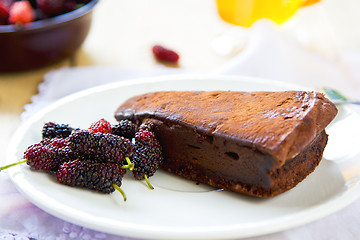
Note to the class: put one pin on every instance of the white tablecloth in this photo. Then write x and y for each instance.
(268, 54)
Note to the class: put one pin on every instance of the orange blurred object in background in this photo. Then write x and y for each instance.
(245, 12)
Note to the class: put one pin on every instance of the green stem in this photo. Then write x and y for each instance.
(148, 183)
(12, 164)
(121, 191)
(130, 165)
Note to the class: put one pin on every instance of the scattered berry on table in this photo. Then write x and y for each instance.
(102, 126)
(21, 13)
(125, 128)
(147, 154)
(101, 147)
(165, 54)
(52, 130)
(49, 154)
(100, 177)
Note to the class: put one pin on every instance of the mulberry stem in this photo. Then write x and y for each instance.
(12, 164)
(130, 165)
(131, 168)
(148, 183)
(121, 191)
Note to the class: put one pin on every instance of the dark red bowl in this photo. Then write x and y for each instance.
(44, 42)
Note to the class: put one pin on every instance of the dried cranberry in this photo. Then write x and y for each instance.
(164, 54)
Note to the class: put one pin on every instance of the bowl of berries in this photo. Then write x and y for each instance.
(36, 33)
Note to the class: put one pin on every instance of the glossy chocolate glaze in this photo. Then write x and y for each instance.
(239, 137)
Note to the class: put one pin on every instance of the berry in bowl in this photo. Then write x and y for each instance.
(36, 33)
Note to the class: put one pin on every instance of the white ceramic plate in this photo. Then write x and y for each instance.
(178, 208)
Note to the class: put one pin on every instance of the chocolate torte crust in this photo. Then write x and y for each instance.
(239, 141)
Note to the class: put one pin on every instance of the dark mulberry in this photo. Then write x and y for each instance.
(51, 7)
(147, 154)
(125, 128)
(49, 154)
(100, 147)
(52, 130)
(147, 125)
(100, 177)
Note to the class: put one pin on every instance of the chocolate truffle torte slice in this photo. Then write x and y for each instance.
(256, 143)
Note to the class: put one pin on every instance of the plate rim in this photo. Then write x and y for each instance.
(231, 231)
